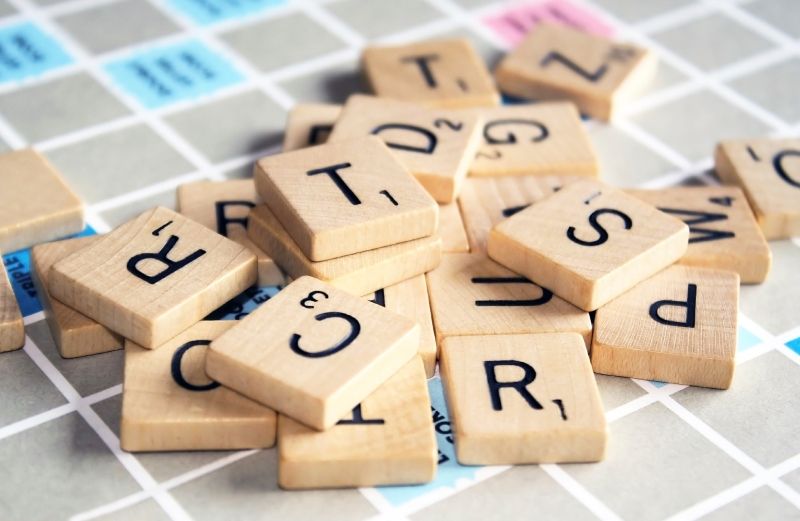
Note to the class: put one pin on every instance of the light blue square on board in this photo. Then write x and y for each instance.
(794, 345)
(26, 51)
(207, 12)
(18, 268)
(164, 75)
(449, 471)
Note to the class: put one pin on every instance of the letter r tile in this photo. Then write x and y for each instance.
(343, 198)
(678, 326)
(588, 243)
(153, 277)
(518, 399)
(313, 352)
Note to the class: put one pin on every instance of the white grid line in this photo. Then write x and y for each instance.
(456, 16)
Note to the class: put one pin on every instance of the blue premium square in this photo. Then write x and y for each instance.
(26, 51)
(165, 75)
(207, 12)
(18, 267)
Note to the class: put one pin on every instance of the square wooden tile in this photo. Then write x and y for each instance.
(487, 201)
(473, 295)
(435, 145)
(36, 205)
(409, 298)
(347, 197)
(768, 171)
(387, 439)
(678, 326)
(153, 277)
(223, 206)
(359, 273)
(540, 138)
(441, 73)
(451, 229)
(723, 234)
(280, 355)
(168, 402)
(523, 399)
(558, 62)
(12, 328)
(589, 243)
(309, 124)
(74, 333)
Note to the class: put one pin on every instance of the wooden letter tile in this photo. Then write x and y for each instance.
(168, 402)
(359, 273)
(437, 146)
(347, 197)
(451, 229)
(75, 334)
(36, 205)
(440, 73)
(487, 201)
(541, 139)
(768, 170)
(12, 328)
(472, 295)
(409, 298)
(153, 277)
(223, 206)
(678, 326)
(313, 352)
(387, 439)
(309, 124)
(723, 232)
(557, 62)
(589, 243)
(523, 399)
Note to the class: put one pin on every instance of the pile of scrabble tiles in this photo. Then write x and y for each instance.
(423, 223)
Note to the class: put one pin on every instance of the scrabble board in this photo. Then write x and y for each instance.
(85, 82)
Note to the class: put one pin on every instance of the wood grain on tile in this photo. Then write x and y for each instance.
(153, 277)
(313, 352)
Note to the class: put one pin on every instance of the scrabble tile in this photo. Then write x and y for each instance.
(678, 326)
(315, 373)
(441, 73)
(768, 171)
(12, 329)
(74, 334)
(723, 234)
(309, 124)
(523, 399)
(451, 229)
(435, 145)
(589, 243)
(359, 273)
(540, 138)
(409, 298)
(487, 201)
(36, 205)
(387, 439)
(472, 295)
(342, 198)
(223, 206)
(153, 277)
(169, 403)
(557, 62)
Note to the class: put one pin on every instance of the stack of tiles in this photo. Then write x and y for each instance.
(425, 223)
